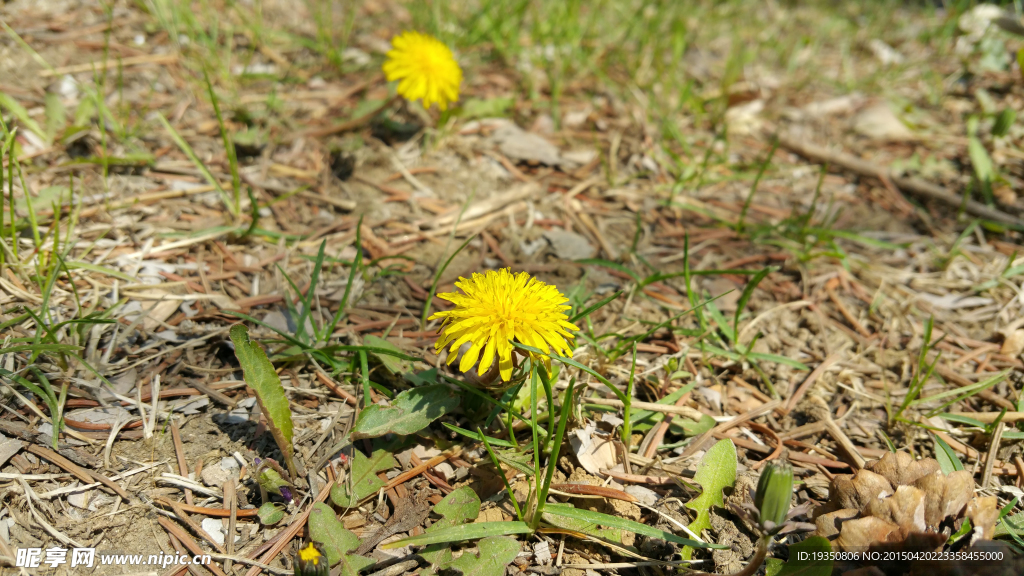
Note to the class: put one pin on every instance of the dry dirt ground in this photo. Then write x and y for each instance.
(860, 260)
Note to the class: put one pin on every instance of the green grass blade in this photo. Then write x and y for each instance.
(574, 364)
(437, 278)
(307, 301)
(614, 266)
(748, 291)
(187, 150)
(595, 307)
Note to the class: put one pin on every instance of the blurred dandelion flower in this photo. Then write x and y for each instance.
(425, 68)
(311, 561)
(497, 308)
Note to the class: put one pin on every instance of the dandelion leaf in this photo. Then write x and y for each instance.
(364, 480)
(460, 507)
(337, 542)
(716, 472)
(495, 553)
(260, 375)
(410, 412)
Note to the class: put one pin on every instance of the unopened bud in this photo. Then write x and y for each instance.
(774, 493)
(272, 482)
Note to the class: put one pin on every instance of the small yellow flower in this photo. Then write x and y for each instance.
(311, 561)
(426, 69)
(497, 308)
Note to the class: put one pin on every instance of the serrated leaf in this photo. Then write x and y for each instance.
(259, 374)
(803, 566)
(364, 478)
(716, 472)
(495, 553)
(394, 364)
(336, 541)
(270, 513)
(521, 462)
(410, 412)
(460, 507)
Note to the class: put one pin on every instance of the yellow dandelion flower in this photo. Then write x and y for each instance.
(426, 69)
(497, 308)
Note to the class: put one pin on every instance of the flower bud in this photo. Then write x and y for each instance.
(311, 561)
(272, 482)
(774, 493)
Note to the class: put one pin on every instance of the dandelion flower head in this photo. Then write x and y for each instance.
(425, 68)
(496, 308)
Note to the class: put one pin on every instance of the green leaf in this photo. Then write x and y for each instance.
(959, 419)
(486, 108)
(463, 532)
(364, 478)
(583, 526)
(1010, 524)
(21, 114)
(591, 309)
(496, 552)
(460, 507)
(72, 265)
(1004, 121)
(187, 150)
(410, 412)
(518, 460)
(260, 376)
(803, 566)
(948, 460)
(645, 419)
(56, 116)
(748, 291)
(766, 357)
(337, 542)
(479, 437)
(270, 513)
(983, 167)
(625, 524)
(716, 472)
(393, 363)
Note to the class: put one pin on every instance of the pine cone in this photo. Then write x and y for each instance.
(898, 503)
